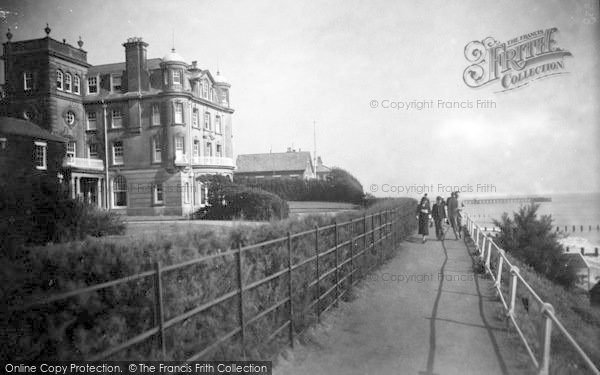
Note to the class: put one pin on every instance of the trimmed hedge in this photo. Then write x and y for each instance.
(84, 325)
(37, 209)
(340, 186)
(227, 201)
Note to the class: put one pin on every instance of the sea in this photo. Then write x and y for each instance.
(576, 216)
(566, 210)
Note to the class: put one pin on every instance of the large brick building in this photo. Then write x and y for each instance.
(139, 133)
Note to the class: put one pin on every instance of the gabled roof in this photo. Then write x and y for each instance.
(15, 126)
(575, 260)
(276, 161)
(323, 169)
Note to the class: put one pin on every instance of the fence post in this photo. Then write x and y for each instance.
(337, 262)
(160, 309)
(351, 251)
(381, 237)
(514, 271)
(489, 253)
(500, 263)
(289, 246)
(240, 277)
(483, 239)
(547, 309)
(373, 234)
(318, 304)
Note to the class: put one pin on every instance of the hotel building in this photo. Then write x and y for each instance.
(140, 133)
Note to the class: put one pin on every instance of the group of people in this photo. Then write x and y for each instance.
(448, 211)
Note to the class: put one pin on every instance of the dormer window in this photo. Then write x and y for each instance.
(116, 83)
(204, 89)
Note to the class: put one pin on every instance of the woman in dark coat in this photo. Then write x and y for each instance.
(423, 216)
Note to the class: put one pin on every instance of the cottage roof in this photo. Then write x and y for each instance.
(15, 126)
(575, 260)
(276, 161)
(323, 169)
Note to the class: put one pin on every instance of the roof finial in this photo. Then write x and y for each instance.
(47, 29)
(9, 35)
(173, 34)
(80, 42)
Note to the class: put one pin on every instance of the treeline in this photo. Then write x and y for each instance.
(340, 186)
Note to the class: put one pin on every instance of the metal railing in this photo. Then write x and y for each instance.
(365, 238)
(485, 244)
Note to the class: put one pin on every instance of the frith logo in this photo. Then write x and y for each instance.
(515, 63)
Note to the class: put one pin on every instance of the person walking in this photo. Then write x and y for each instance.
(452, 214)
(459, 206)
(423, 217)
(438, 212)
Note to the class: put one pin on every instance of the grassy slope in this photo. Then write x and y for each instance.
(573, 310)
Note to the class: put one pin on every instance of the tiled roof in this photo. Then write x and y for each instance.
(323, 169)
(574, 259)
(276, 161)
(15, 126)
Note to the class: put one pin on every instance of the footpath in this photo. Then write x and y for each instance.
(424, 312)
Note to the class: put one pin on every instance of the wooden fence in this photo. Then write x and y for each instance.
(365, 244)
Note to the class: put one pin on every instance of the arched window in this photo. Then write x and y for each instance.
(76, 84)
(119, 191)
(67, 82)
(59, 80)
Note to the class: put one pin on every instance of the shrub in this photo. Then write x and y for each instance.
(37, 209)
(228, 201)
(532, 240)
(340, 186)
(77, 327)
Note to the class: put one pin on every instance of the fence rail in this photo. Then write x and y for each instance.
(368, 237)
(485, 244)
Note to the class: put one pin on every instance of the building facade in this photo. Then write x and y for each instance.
(139, 133)
(27, 149)
(290, 164)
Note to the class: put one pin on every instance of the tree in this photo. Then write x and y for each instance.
(532, 240)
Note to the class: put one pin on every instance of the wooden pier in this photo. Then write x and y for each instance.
(521, 200)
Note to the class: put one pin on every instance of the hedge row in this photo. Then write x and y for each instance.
(227, 201)
(340, 186)
(36, 209)
(84, 325)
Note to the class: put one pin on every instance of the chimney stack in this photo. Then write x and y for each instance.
(136, 68)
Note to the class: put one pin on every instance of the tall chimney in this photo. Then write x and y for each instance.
(136, 67)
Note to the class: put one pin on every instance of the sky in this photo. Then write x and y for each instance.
(293, 64)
